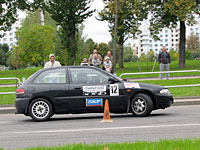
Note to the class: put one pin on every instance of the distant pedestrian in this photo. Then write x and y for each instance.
(164, 60)
(96, 61)
(107, 65)
(92, 56)
(84, 62)
(52, 63)
(108, 55)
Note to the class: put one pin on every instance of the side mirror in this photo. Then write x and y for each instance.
(111, 80)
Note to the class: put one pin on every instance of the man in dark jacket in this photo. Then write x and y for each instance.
(164, 60)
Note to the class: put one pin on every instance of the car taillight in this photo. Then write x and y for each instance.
(20, 91)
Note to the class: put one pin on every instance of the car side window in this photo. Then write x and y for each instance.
(87, 76)
(51, 76)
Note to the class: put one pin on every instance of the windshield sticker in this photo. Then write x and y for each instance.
(131, 85)
(94, 102)
(114, 89)
(94, 90)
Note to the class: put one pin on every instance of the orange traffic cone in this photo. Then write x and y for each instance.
(106, 116)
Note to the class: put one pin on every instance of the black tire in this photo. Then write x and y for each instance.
(40, 109)
(141, 105)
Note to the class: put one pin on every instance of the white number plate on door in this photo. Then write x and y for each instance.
(114, 89)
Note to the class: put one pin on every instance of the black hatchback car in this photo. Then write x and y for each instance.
(76, 89)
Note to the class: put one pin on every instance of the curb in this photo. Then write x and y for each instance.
(178, 101)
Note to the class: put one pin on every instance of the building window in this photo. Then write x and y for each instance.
(156, 50)
(196, 29)
(172, 44)
(11, 44)
(11, 39)
(150, 41)
(161, 44)
(166, 35)
(161, 40)
(176, 30)
(176, 40)
(176, 35)
(166, 31)
(160, 35)
(141, 50)
(166, 40)
(150, 45)
(4, 34)
(156, 45)
(11, 34)
(5, 39)
(166, 44)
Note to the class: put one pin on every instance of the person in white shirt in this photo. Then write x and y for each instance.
(107, 65)
(52, 63)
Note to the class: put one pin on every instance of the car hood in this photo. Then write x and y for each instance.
(146, 86)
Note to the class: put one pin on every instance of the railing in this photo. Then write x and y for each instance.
(142, 73)
(173, 86)
(13, 78)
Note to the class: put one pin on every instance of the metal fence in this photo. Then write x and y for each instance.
(13, 78)
(173, 86)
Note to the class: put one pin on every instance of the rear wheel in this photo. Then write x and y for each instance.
(141, 105)
(40, 109)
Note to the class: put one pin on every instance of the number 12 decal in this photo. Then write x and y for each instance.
(114, 89)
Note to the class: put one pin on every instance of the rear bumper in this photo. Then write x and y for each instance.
(21, 105)
(164, 101)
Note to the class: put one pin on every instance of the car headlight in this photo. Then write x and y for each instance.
(165, 91)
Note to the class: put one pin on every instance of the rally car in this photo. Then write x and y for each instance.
(76, 89)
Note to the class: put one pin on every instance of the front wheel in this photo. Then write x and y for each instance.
(141, 105)
(40, 109)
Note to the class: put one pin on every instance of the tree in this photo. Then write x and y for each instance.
(34, 18)
(168, 13)
(103, 48)
(35, 43)
(193, 42)
(8, 12)
(128, 21)
(69, 14)
(4, 54)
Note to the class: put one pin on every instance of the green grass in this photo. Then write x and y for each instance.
(8, 98)
(133, 67)
(179, 92)
(177, 144)
(19, 74)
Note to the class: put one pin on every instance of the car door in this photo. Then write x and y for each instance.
(53, 84)
(90, 87)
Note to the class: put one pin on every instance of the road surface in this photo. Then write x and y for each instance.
(18, 131)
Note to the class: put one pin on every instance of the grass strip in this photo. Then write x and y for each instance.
(174, 144)
(7, 98)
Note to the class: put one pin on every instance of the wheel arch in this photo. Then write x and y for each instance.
(149, 93)
(46, 98)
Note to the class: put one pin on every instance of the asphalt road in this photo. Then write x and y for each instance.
(18, 131)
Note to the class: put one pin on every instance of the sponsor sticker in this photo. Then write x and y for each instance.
(94, 90)
(94, 102)
(131, 85)
(114, 89)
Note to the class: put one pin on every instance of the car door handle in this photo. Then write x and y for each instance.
(77, 88)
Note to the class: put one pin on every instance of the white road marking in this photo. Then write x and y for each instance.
(100, 129)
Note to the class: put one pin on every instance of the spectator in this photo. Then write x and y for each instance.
(108, 55)
(52, 63)
(84, 62)
(92, 55)
(164, 60)
(96, 61)
(107, 65)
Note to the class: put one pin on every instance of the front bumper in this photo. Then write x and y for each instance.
(164, 101)
(21, 105)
